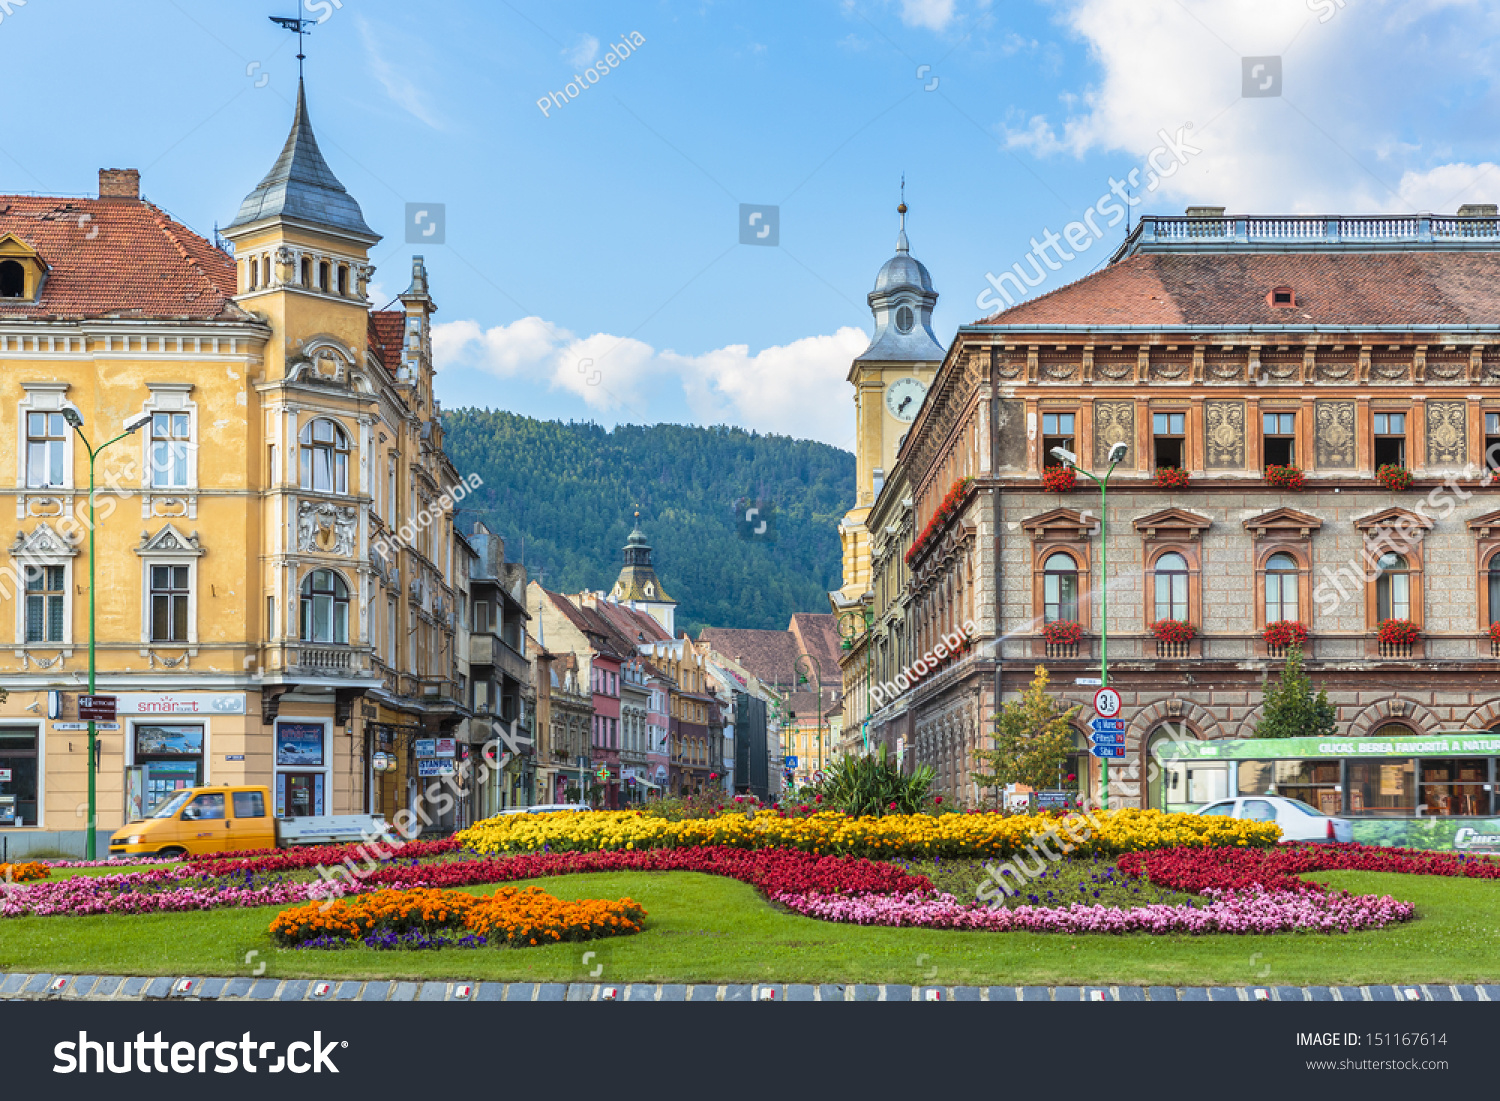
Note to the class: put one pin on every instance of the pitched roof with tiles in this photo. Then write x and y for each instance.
(768, 654)
(818, 634)
(633, 625)
(118, 257)
(387, 333)
(1412, 288)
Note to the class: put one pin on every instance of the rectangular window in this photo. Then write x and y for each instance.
(1492, 440)
(45, 591)
(1171, 595)
(171, 439)
(481, 615)
(1279, 439)
(1393, 596)
(271, 616)
(390, 629)
(46, 438)
(1057, 431)
(169, 603)
(1383, 789)
(18, 776)
(1390, 439)
(1168, 439)
(1455, 787)
(249, 804)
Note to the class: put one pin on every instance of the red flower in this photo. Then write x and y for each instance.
(938, 800)
(1397, 632)
(1062, 632)
(1059, 479)
(1284, 477)
(1394, 478)
(1285, 632)
(1172, 630)
(817, 798)
(1171, 477)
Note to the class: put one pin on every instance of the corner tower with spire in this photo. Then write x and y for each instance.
(638, 584)
(890, 379)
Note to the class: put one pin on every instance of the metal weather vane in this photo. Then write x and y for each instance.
(301, 26)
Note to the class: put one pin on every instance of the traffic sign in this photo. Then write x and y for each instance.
(790, 762)
(1107, 737)
(1099, 724)
(97, 708)
(817, 776)
(1088, 682)
(1107, 703)
(1108, 751)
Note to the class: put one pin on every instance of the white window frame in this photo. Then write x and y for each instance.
(170, 397)
(43, 397)
(184, 555)
(43, 546)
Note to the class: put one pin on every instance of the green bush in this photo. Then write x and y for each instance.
(873, 785)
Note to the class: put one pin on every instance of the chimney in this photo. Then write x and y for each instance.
(1205, 212)
(119, 183)
(1478, 210)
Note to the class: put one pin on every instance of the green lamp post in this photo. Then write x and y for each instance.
(1117, 454)
(853, 624)
(134, 424)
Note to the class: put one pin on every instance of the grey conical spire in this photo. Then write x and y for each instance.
(301, 187)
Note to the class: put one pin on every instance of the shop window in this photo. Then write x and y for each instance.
(1383, 789)
(18, 773)
(325, 608)
(170, 597)
(46, 450)
(1171, 587)
(1390, 439)
(1315, 783)
(1168, 438)
(1392, 588)
(46, 595)
(168, 759)
(1060, 589)
(171, 439)
(1455, 787)
(1282, 582)
(1057, 431)
(325, 457)
(1279, 439)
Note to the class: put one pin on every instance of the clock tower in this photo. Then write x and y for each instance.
(890, 380)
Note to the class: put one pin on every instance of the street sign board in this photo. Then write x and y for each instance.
(445, 747)
(85, 726)
(425, 747)
(790, 762)
(1108, 751)
(1097, 723)
(427, 766)
(817, 776)
(99, 709)
(1107, 737)
(1089, 682)
(1107, 703)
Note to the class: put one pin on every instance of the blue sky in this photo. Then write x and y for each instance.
(591, 267)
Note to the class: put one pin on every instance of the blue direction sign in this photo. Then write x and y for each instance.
(1099, 726)
(1108, 751)
(790, 762)
(1107, 737)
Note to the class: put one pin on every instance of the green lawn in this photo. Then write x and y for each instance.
(709, 929)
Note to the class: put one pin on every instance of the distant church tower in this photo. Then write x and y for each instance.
(638, 585)
(890, 381)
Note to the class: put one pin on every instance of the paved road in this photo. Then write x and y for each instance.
(116, 988)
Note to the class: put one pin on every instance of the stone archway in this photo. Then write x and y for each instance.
(1398, 710)
(1484, 717)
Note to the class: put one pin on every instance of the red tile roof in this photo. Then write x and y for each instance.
(1413, 288)
(118, 258)
(818, 634)
(767, 654)
(387, 334)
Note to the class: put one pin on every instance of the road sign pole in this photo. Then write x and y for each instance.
(1104, 613)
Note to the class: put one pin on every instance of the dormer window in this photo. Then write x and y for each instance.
(1282, 298)
(21, 269)
(905, 320)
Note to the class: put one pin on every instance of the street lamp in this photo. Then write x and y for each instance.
(1116, 455)
(133, 424)
(850, 628)
(817, 669)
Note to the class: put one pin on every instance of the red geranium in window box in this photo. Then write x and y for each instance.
(1495, 632)
(1062, 632)
(1394, 478)
(1284, 477)
(1059, 479)
(1171, 477)
(1397, 632)
(1285, 632)
(1172, 630)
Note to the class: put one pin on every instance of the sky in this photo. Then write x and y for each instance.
(584, 244)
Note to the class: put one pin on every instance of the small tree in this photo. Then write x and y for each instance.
(1291, 708)
(1033, 737)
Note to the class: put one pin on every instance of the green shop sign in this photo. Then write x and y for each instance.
(1459, 744)
(1465, 835)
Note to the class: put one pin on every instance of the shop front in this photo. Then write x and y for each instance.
(1397, 787)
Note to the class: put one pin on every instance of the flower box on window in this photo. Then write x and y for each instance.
(1397, 632)
(1172, 477)
(1172, 630)
(1284, 633)
(1059, 479)
(1284, 477)
(1394, 478)
(1495, 631)
(1063, 632)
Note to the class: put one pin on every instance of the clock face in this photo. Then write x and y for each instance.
(904, 398)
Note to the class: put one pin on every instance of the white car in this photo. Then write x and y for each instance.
(546, 808)
(1298, 820)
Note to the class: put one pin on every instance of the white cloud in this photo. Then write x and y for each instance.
(797, 389)
(403, 91)
(935, 15)
(1356, 87)
(583, 52)
(1444, 188)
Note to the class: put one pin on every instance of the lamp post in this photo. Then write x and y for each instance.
(75, 421)
(1116, 455)
(850, 628)
(817, 669)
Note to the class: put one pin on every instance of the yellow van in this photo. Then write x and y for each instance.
(201, 820)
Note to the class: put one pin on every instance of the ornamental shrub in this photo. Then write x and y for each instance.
(1291, 709)
(1172, 630)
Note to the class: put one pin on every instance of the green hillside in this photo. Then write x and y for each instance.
(569, 490)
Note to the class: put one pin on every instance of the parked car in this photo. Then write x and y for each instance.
(546, 808)
(1298, 820)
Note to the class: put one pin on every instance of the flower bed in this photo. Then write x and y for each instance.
(312, 856)
(160, 890)
(894, 835)
(416, 917)
(23, 872)
(1279, 868)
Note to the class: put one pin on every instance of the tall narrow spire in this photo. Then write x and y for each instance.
(301, 187)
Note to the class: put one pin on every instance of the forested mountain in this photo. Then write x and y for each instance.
(570, 492)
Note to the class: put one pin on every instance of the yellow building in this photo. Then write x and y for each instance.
(278, 583)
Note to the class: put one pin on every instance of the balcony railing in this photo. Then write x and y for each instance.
(1061, 649)
(1173, 650)
(1397, 650)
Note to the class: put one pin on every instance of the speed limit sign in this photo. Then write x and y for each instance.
(1107, 703)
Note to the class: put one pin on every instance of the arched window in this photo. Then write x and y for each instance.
(325, 608)
(1060, 589)
(253, 274)
(12, 279)
(343, 279)
(323, 275)
(1393, 588)
(307, 271)
(1281, 588)
(1494, 588)
(325, 457)
(1172, 587)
